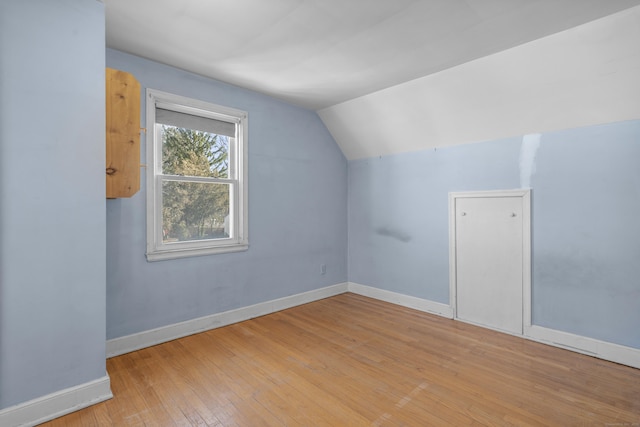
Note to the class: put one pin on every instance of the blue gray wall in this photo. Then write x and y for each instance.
(52, 197)
(52, 212)
(297, 217)
(585, 202)
(586, 232)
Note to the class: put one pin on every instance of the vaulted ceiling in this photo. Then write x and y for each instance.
(318, 53)
(391, 76)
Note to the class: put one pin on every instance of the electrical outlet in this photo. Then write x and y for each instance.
(323, 268)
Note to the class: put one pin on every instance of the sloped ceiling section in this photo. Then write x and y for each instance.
(377, 69)
(318, 53)
(583, 76)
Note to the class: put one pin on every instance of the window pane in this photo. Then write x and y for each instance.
(191, 152)
(194, 211)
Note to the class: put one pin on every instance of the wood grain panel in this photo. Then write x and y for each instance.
(123, 134)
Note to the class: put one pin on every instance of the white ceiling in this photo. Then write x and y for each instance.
(583, 76)
(319, 53)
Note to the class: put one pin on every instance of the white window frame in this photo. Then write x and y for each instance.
(238, 240)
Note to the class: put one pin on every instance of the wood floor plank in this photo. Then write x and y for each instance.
(349, 360)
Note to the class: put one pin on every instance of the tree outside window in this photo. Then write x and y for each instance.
(197, 185)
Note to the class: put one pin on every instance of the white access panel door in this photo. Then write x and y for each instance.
(489, 261)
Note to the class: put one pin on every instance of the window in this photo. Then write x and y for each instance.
(196, 178)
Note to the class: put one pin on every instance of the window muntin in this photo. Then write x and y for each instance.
(197, 185)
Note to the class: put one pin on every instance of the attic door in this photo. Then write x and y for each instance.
(490, 239)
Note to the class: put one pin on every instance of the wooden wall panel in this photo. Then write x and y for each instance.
(123, 134)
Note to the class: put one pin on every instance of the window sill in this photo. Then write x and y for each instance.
(161, 255)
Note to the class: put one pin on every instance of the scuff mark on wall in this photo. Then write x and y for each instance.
(396, 234)
(528, 151)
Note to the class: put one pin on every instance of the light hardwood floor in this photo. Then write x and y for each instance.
(354, 361)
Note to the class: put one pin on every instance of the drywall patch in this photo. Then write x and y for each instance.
(528, 151)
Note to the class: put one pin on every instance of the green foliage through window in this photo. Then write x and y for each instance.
(197, 177)
(194, 210)
(195, 153)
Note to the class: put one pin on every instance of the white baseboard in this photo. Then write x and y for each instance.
(75, 398)
(428, 306)
(57, 404)
(601, 349)
(129, 343)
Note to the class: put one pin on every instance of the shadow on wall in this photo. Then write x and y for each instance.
(394, 234)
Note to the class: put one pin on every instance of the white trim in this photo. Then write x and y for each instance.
(453, 278)
(186, 253)
(129, 343)
(238, 181)
(601, 349)
(57, 404)
(604, 350)
(525, 194)
(416, 303)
